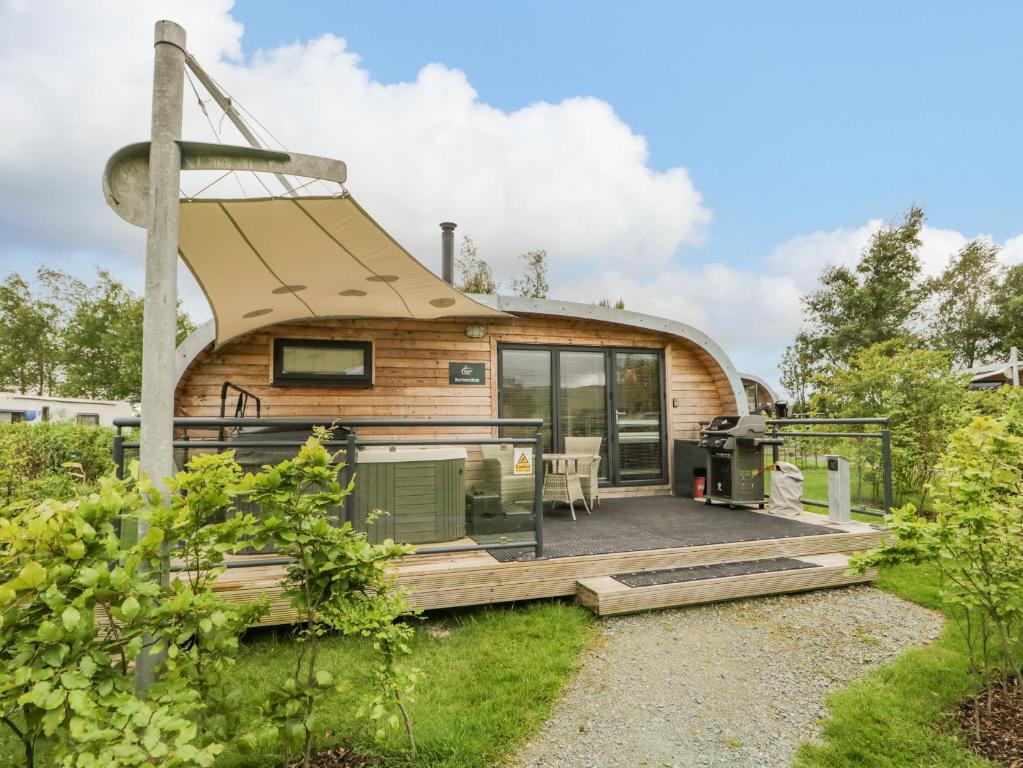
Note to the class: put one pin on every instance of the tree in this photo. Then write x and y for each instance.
(914, 387)
(65, 336)
(29, 337)
(1007, 311)
(102, 346)
(798, 367)
(533, 283)
(477, 276)
(74, 609)
(335, 580)
(606, 302)
(963, 318)
(873, 303)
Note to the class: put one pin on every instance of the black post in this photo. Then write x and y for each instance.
(538, 492)
(119, 472)
(119, 455)
(886, 463)
(351, 460)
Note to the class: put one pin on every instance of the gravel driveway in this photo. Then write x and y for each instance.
(730, 684)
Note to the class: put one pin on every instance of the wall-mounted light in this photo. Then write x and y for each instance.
(476, 331)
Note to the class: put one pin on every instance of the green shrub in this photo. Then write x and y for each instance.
(70, 625)
(336, 581)
(78, 606)
(974, 535)
(39, 461)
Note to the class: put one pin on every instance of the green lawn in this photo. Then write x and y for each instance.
(488, 679)
(898, 716)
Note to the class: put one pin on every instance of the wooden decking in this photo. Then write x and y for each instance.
(475, 578)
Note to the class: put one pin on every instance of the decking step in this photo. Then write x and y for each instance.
(668, 588)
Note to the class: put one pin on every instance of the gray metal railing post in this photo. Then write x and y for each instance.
(351, 461)
(774, 446)
(886, 466)
(538, 492)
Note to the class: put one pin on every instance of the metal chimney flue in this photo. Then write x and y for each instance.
(447, 251)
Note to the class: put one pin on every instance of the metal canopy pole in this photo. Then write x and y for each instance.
(159, 318)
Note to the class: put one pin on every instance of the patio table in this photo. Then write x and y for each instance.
(561, 479)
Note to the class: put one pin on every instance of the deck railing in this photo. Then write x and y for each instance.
(346, 436)
(884, 435)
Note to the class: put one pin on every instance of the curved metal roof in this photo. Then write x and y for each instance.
(205, 335)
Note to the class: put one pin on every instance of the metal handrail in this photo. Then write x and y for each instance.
(352, 443)
(884, 435)
(241, 406)
(186, 422)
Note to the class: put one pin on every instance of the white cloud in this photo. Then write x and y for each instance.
(767, 297)
(570, 177)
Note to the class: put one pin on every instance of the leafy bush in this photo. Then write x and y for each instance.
(337, 581)
(78, 607)
(196, 629)
(35, 459)
(69, 628)
(974, 538)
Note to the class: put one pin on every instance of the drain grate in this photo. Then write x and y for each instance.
(713, 571)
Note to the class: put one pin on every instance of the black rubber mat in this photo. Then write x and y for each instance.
(652, 522)
(713, 571)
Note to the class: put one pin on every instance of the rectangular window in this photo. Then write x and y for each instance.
(322, 363)
(88, 419)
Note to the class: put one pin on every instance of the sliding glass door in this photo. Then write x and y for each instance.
(639, 418)
(611, 393)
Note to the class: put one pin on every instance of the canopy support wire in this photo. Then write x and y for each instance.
(226, 103)
(230, 107)
(281, 144)
(219, 178)
(264, 186)
(217, 136)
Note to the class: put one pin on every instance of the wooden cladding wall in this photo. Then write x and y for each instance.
(410, 376)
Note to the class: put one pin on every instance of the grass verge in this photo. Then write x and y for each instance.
(488, 679)
(899, 716)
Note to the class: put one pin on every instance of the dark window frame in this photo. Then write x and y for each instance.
(281, 379)
(612, 438)
(87, 419)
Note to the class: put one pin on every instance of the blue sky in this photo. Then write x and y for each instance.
(686, 157)
(790, 117)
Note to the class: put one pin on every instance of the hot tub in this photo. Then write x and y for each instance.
(421, 489)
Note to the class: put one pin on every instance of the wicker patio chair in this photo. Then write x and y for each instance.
(590, 470)
(561, 483)
(499, 476)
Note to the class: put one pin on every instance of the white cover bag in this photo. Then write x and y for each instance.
(786, 490)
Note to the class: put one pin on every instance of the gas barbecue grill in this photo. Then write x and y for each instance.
(734, 447)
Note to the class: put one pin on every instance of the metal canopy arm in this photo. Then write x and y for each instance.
(126, 174)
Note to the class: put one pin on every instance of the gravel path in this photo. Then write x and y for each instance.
(731, 684)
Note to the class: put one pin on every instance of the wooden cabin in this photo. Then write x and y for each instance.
(637, 382)
(320, 314)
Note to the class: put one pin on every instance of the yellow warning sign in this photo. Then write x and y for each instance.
(523, 461)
